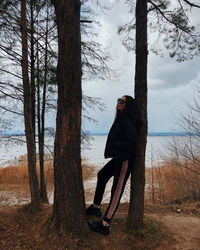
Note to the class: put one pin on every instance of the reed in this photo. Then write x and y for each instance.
(18, 174)
(173, 182)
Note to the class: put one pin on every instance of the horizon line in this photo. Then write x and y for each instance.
(153, 133)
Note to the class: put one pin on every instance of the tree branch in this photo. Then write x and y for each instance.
(153, 8)
(191, 4)
(85, 21)
(11, 111)
(168, 19)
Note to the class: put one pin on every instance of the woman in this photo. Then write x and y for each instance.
(121, 147)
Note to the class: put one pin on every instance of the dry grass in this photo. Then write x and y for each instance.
(173, 181)
(18, 174)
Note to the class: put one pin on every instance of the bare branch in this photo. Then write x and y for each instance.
(11, 111)
(191, 4)
(11, 73)
(85, 21)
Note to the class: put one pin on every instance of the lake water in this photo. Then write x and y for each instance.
(155, 151)
(156, 147)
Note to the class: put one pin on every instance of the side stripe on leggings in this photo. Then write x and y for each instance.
(118, 190)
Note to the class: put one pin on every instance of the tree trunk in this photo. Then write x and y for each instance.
(152, 178)
(136, 208)
(31, 151)
(41, 132)
(69, 203)
(32, 57)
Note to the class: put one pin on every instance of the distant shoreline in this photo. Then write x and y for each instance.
(10, 133)
(149, 134)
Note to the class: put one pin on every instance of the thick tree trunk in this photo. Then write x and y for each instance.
(136, 208)
(69, 204)
(31, 151)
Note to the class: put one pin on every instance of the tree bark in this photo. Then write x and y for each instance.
(31, 151)
(136, 207)
(32, 59)
(41, 132)
(69, 203)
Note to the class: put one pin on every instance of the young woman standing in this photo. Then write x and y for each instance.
(121, 147)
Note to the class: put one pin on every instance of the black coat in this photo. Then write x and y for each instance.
(122, 140)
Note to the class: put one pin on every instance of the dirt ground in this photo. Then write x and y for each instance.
(185, 230)
(165, 228)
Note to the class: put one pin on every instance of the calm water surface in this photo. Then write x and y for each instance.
(156, 148)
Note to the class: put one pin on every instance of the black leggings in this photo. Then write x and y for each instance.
(120, 169)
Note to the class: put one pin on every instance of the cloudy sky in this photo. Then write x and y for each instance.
(170, 83)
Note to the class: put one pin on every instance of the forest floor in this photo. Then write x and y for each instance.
(165, 227)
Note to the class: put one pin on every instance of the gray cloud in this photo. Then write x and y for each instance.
(169, 82)
(166, 73)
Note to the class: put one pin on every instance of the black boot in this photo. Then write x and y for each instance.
(97, 226)
(92, 210)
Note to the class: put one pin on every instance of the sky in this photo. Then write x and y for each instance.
(170, 83)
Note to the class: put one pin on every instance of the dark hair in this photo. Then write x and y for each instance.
(130, 112)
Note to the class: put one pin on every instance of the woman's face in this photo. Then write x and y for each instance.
(121, 103)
